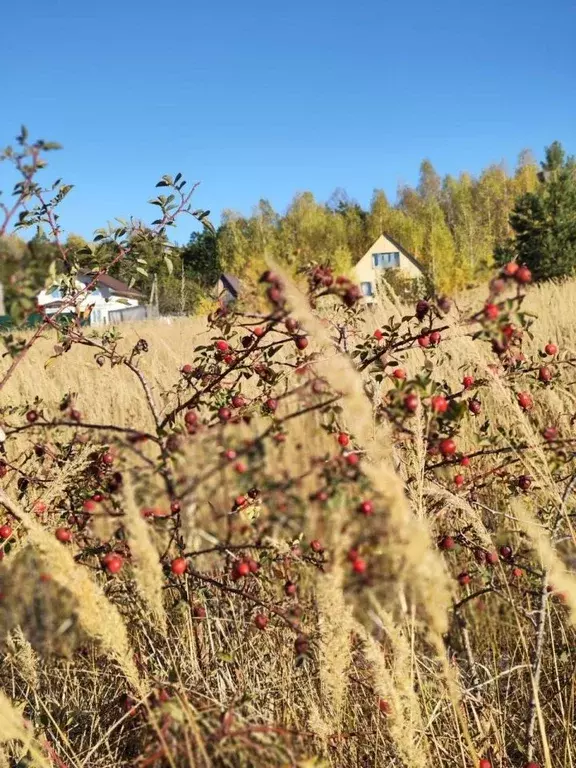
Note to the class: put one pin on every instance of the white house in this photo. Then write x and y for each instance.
(109, 300)
(384, 253)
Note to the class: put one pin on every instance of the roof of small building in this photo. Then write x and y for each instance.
(409, 256)
(116, 286)
(231, 283)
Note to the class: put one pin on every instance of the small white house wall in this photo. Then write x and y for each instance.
(101, 300)
(366, 272)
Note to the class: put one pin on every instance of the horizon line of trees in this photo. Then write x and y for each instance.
(457, 226)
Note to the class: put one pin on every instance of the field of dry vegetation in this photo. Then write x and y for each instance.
(314, 574)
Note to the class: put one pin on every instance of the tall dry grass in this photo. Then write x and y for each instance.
(377, 687)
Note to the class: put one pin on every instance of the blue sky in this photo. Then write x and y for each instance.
(260, 99)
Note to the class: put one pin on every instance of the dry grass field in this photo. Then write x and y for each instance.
(408, 664)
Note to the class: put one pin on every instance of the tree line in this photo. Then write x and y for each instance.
(457, 226)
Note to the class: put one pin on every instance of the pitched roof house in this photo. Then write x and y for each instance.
(103, 302)
(384, 253)
(228, 288)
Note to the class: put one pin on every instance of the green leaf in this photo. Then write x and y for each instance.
(169, 264)
(142, 271)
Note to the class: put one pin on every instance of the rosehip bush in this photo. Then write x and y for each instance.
(200, 514)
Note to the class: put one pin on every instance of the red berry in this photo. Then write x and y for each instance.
(290, 588)
(465, 461)
(253, 565)
(261, 621)
(484, 763)
(352, 459)
(439, 404)
(491, 311)
(424, 341)
(399, 373)
(422, 308)
(230, 454)
(5, 531)
(448, 447)
(359, 565)
(492, 558)
(271, 404)
(524, 482)
(508, 331)
(291, 324)
(175, 507)
(316, 546)
(224, 414)
(32, 416)
(274, 294)
(435, 337)
(64, 535)
(113, 562)
(238, 401)
(525, 400)
(475, 406)
(459, 480)
(258, 331)
(366, 508)
(343, 439)
(186, 369)
(178, 566)
(523, 275)
(222, 346)
(480, 555)
(411, 403)
(40, 507)
(378, 335)
(301, 343)
(505, 552)
(545, 374)
(384, 706)
(107, 458)
(447, 542)
(497, 285)
(510, 269)
(352, 555)
(532, 764)
(551, 349)
(468, 382)
(550, 433)
(191, 417)
(517, 572)
(464, 578)
(242, 568)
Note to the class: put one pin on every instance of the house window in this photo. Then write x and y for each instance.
(390, 259)
(367, 289)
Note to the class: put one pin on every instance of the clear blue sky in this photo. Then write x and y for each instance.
(264, 99)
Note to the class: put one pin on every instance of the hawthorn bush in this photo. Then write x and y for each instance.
(321, 542)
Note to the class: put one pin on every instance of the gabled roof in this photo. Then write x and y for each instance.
(116, 286)
(409, 256)
(231, 283)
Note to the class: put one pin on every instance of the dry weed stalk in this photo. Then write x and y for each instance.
(417, 564)
(98, 617)
(147, 569)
